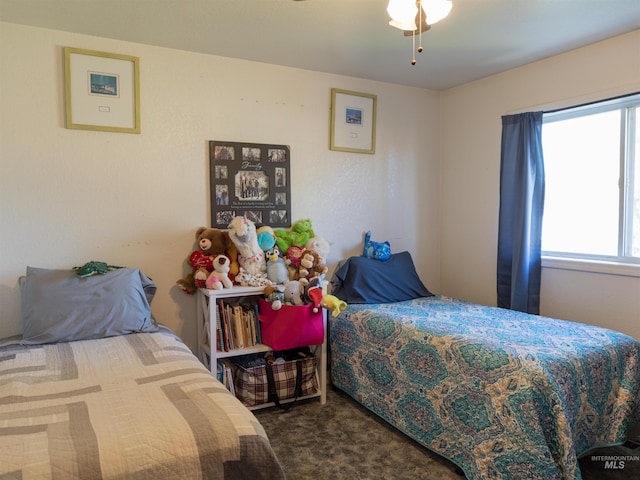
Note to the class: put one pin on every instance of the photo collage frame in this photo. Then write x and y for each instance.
(251, 180)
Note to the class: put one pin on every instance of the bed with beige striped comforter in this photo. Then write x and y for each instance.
(133, 406)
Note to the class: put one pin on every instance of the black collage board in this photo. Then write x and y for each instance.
(251, 180)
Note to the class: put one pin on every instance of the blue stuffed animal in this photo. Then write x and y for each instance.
(277, 270)
(376, 250)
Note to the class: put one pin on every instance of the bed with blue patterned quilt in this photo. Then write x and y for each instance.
(503, 394)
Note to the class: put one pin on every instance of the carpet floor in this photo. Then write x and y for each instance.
(344, 441)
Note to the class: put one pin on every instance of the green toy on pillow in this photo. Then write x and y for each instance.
(94, 268)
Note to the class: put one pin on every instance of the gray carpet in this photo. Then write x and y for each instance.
(343, 440)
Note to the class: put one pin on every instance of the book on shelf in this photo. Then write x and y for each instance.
(219, 336)
(220, 372)
(226, 327)
(224, 374)
(258, 332)
(239, 326)
(233, 330)
(241, 334)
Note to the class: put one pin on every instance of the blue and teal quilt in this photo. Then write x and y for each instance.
(503, 394)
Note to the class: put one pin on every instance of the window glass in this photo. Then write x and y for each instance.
(582, 169)
(592, 181)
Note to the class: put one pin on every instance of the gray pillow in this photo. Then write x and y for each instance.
(59, 306)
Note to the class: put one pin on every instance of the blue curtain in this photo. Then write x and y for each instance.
(520, 218)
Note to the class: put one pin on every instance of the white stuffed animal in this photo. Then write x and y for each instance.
(319, 245)
(219, 278)
(242, 233)
(245, 279)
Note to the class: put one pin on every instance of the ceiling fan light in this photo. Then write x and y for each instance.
(402, 13)
(407, 26)
(436, 10)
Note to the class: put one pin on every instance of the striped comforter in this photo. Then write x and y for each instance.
(134, 406)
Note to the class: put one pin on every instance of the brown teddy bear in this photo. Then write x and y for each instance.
(311, 265)
(211, 243)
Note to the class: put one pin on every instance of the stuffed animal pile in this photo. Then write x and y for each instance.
(289, 264)
(211, 243)
(279, 255)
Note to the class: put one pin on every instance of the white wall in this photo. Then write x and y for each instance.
(470, 169)
(70, 196)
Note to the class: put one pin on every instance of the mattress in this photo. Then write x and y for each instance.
(502, 394)
(132, 406)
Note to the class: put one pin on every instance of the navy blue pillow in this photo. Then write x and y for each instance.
(366, 280)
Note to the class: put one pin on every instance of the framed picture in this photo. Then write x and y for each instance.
(353, 121)
(252, 180)
(102, 91)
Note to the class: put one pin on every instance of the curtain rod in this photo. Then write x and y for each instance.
(591, 103)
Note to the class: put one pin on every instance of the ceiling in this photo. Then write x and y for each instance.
(346, 37)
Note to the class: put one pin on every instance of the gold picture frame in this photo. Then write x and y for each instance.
(102, 91)
(353, 121)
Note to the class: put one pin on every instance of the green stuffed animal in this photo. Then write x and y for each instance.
(298, 236)
(94, 268)
(303, 227)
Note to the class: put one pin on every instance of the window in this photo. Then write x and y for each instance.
(592, 177)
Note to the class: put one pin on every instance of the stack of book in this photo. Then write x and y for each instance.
(237, 326)
(224, 374)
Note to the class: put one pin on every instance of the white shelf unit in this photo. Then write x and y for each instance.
(207, 313)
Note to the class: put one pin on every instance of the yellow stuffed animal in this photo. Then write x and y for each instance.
(333, 303)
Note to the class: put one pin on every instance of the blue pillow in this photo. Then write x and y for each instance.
(59, 306)
(366, 280)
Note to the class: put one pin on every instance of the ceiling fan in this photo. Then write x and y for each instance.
(415, 17)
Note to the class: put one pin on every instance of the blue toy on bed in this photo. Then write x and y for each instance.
(376, 250)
